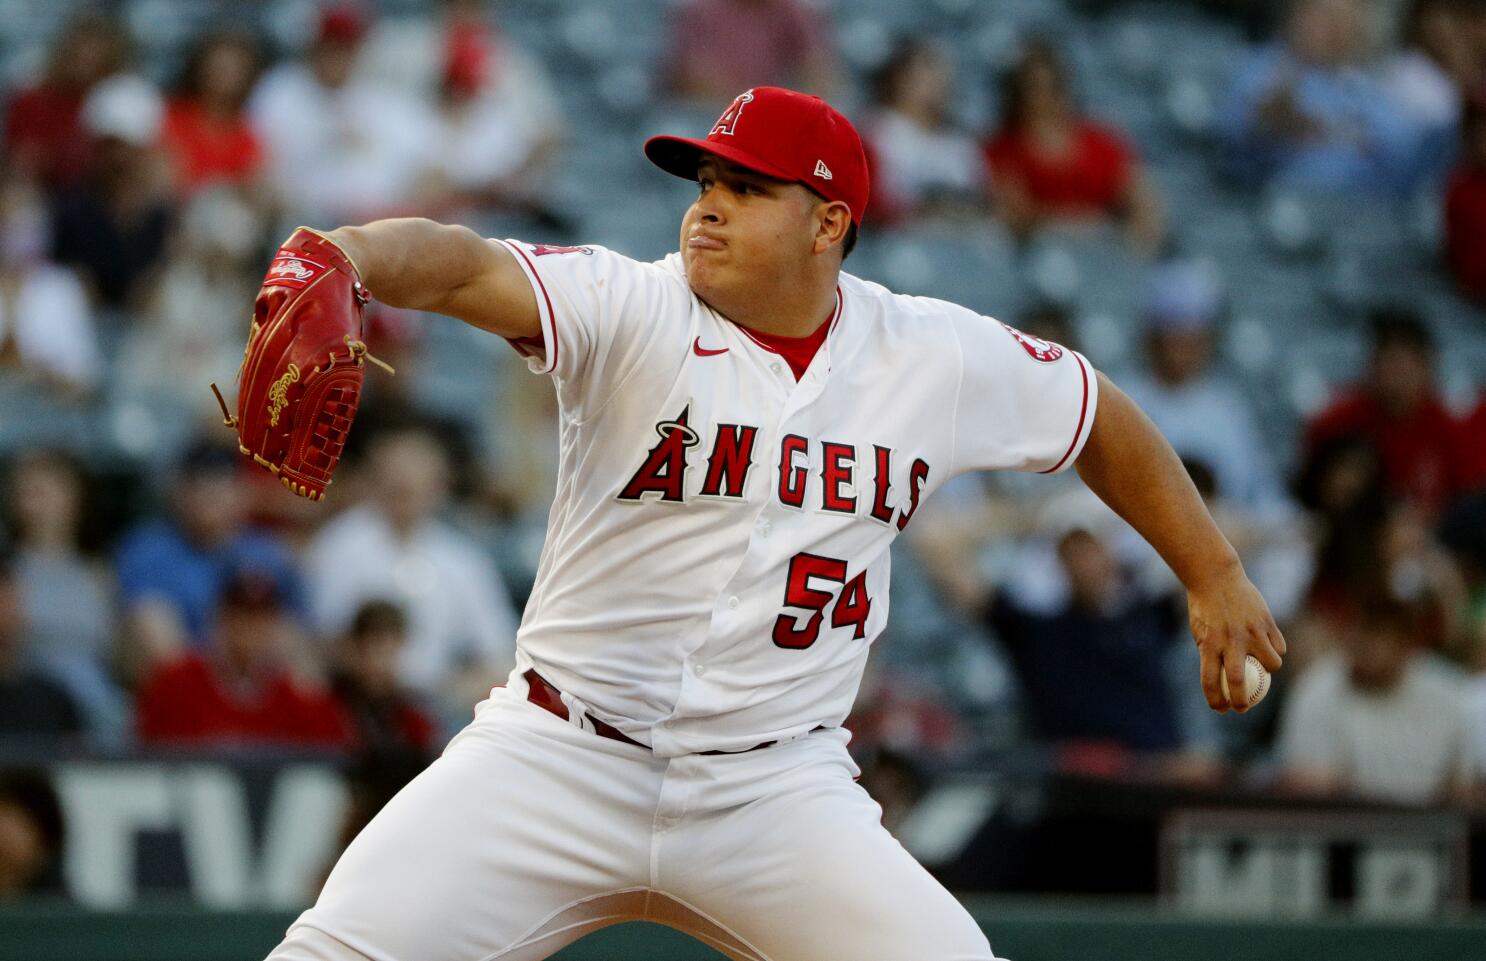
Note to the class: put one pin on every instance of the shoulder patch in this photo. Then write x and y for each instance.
(1043, 351)
(542, 250)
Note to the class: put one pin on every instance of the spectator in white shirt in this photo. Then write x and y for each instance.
(501, 120)
(1209, 422)
(461, 625)
(46, 323)
(922, 163)
(1427, 78)
(1475, 711)
(1203, 414)
(1382, 719)
(180, 324)
(340, 148)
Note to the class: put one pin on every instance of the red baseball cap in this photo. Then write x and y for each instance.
(342, 23)
(783, 134)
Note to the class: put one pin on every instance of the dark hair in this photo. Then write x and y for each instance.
(83, 26)
(1473, 116)
(881, 80)
(884, 80)
(208, 457)
(373, 780)
(253, 586)
(849, 242)
(1379, 608)
(1349, 534)
(1462, 529)
(1320, 460)
(1397, 326)
(376, 616)
(1035, 53)
(1202, 476)
(1050, 321)
(189, 82)
(31, 790)
(1411, 21)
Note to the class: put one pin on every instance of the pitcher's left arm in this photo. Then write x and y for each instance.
(1132, 468)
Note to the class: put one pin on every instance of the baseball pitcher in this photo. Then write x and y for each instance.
(745, 429)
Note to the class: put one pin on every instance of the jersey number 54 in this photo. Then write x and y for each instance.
(851, 608)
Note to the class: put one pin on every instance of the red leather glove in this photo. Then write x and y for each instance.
(300, 381)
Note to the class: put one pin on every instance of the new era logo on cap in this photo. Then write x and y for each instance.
(783, 134)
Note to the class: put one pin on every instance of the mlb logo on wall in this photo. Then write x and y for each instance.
(292, 270)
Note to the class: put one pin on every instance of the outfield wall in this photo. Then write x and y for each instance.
(1020, 930)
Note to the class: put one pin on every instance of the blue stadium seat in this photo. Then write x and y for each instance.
(1282, 298)
(975, 268)
(1095, 272)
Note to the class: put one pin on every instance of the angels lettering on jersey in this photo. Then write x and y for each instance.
(730, 462)
(717, 557)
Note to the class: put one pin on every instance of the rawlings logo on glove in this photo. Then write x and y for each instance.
(278, 394)
(300, 380)
(292, 271)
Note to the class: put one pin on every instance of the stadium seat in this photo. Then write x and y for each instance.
(974, 268)
(1094, 271)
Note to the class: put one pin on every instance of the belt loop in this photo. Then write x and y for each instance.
(541, 693)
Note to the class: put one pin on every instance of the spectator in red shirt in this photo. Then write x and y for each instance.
(722, 47)
(1465, 208)
(43, 130)
(1474, 433)
(206, 131)
(241, 692)
(1048, 164)
(366, 683)
(1398, 409)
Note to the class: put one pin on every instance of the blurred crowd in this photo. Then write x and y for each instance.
(159, 593)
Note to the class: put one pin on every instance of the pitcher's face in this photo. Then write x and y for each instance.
(744, 231)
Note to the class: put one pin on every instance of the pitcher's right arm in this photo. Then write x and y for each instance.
(418, 264)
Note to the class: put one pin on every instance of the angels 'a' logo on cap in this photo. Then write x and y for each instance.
(822, 171)
(728, 122)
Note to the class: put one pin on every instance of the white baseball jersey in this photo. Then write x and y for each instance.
(716, 562)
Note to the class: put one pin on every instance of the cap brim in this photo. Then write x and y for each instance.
(679, 157)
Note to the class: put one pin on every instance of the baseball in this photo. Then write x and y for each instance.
(1255, 682)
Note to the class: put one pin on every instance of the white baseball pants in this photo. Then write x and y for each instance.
(530, 832)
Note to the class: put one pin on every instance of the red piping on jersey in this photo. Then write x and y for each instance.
(551, 317)
(1083, 411)
(835, 317)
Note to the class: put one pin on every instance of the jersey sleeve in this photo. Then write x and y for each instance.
(1023, 403)
(599, 311)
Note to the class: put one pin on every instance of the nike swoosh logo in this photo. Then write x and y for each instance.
(700, 351)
